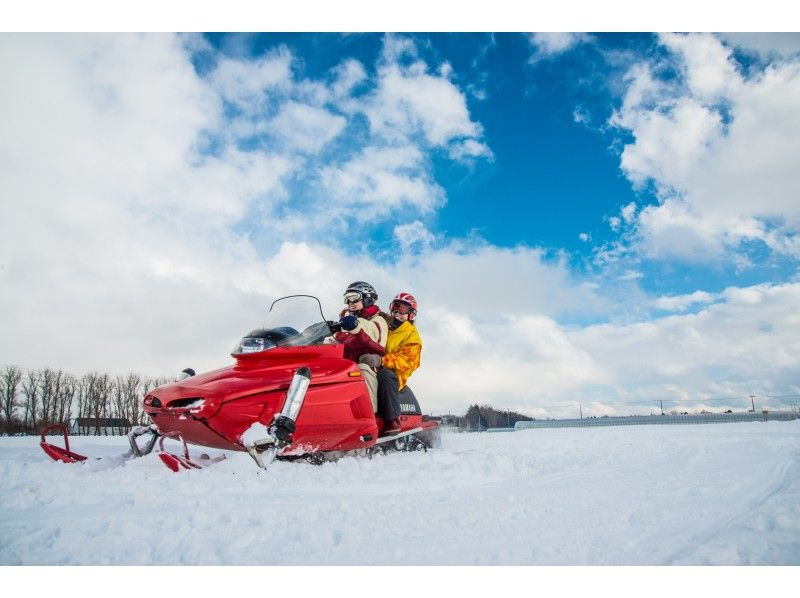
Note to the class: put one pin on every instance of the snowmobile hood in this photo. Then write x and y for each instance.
(253, 373)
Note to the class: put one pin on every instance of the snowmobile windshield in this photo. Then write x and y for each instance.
(293, 321)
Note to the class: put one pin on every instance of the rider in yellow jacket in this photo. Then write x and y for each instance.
(402, 358)
(403, 351)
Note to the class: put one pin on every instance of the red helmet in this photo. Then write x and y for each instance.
(409, 302)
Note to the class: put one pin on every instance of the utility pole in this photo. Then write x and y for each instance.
(580, 406)
(752, 402)
(662, 406)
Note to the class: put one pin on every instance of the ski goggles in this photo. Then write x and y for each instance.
(401, 308)
(352, 297)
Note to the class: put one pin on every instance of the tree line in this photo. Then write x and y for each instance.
(33, 399)
(483, 417)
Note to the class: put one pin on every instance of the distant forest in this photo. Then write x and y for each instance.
(34, 399)
(483, 417)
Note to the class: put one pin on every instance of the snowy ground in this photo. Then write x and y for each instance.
(657, 495)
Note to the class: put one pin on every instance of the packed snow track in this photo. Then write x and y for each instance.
(711, 494)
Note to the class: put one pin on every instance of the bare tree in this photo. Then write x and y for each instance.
(30, 387)
(48, 381)
(10, 381)
(126, 399)
(65, 395)
(94, 398)
(80, 394)
(132, 391)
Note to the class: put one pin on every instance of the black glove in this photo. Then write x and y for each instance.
(334, 326)
(348, 322)
(371, 359)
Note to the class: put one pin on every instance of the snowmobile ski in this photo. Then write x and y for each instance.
(56, 452)
(175, 462)
(65, 455)
(399, 435)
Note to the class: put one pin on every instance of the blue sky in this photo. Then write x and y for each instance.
(604, 218)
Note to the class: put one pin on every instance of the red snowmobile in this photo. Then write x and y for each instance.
(291, 394)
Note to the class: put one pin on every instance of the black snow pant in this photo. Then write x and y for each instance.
(388, 395)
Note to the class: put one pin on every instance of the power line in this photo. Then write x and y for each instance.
(659, 401)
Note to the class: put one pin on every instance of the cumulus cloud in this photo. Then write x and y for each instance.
(554, 43)
(247, 83)
(413, 234)
(470, 148)
(410, 100)
(683, 302)
(306, 128)
(157, 195)
(629, 275)
(628, 213)
(348, 75)
(718, 146)
(112, 223)
(746, 342)
(379, 180)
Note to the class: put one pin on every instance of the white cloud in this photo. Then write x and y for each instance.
(306, 128)
(551, 44)
(348, 75)
(414, 233)
(487, 281)
(470, 148)
(127, 244)
(397, 47)
(683, 302)
(248, 83)
(111, 224)
(379, 180)
(719, 148)
(669, 144)
(581, 116)
(708, 66)
(629, 213)
(629, 275)
(746, 343)
(410, 101)
(508, 362)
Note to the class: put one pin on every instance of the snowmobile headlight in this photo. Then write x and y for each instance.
(250, 344)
